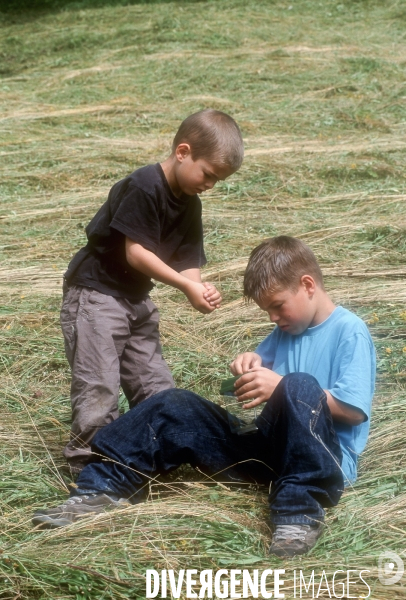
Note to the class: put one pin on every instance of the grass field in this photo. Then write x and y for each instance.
(89, 94)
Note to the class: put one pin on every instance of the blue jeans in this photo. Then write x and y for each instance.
(295, 448)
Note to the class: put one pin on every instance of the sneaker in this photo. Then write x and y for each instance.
(295, 538)
(75, 508)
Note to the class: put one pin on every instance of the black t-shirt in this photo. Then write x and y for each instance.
(143, 208)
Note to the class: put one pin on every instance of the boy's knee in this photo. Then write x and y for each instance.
(164, 408)
(299, 381)
(173, 402)
(184, 408)
(173, 397)
(300, 388)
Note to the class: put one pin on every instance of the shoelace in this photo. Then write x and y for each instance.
(294, 532)
(75, 499)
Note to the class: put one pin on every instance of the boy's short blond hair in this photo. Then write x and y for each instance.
(277, 264)
(212, 135)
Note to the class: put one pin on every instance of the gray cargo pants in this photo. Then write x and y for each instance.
(108, 341)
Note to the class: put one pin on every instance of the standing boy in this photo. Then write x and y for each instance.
(315, 375)
(150, 227)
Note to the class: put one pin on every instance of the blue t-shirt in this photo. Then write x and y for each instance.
(340, 354)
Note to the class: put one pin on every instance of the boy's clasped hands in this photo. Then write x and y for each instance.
(256, 383)
(204, 297)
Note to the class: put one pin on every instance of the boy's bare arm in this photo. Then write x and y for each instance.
(192, 274)
(148, 263)
(340, 411)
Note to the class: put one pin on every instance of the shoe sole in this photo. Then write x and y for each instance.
(288, 553)
(47, 522)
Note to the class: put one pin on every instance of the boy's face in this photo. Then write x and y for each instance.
(292, 311)
(197, 176)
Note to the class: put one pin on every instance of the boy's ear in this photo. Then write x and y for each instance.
(309, 283)
(182, 151)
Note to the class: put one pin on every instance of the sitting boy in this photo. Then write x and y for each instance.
(315, 375)
(150, 227)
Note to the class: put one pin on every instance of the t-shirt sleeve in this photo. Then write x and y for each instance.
(137, 217)
(355, 366)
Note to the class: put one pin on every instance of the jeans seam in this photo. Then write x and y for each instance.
(316, 414)
(313, 423)
(315, 411)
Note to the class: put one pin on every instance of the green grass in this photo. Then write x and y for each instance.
(87, 94)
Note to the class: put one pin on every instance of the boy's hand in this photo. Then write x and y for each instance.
(256, 386)
(212, 295)
(245, 362)
(202, 296)
(196, 294)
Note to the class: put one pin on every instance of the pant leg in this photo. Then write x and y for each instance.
(169, 429)
(143, 369)
(296, 447)
(304, 449)
(96, 330)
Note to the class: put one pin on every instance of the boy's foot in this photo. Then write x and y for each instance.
(75, 508)
(295, 538)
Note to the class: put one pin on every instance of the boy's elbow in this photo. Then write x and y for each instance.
(341, 411)
(358, 418)
(354, 416)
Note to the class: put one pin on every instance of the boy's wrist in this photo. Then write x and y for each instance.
(185, 285)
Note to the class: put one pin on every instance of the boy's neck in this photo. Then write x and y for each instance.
(168, 167)
(324, 307)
